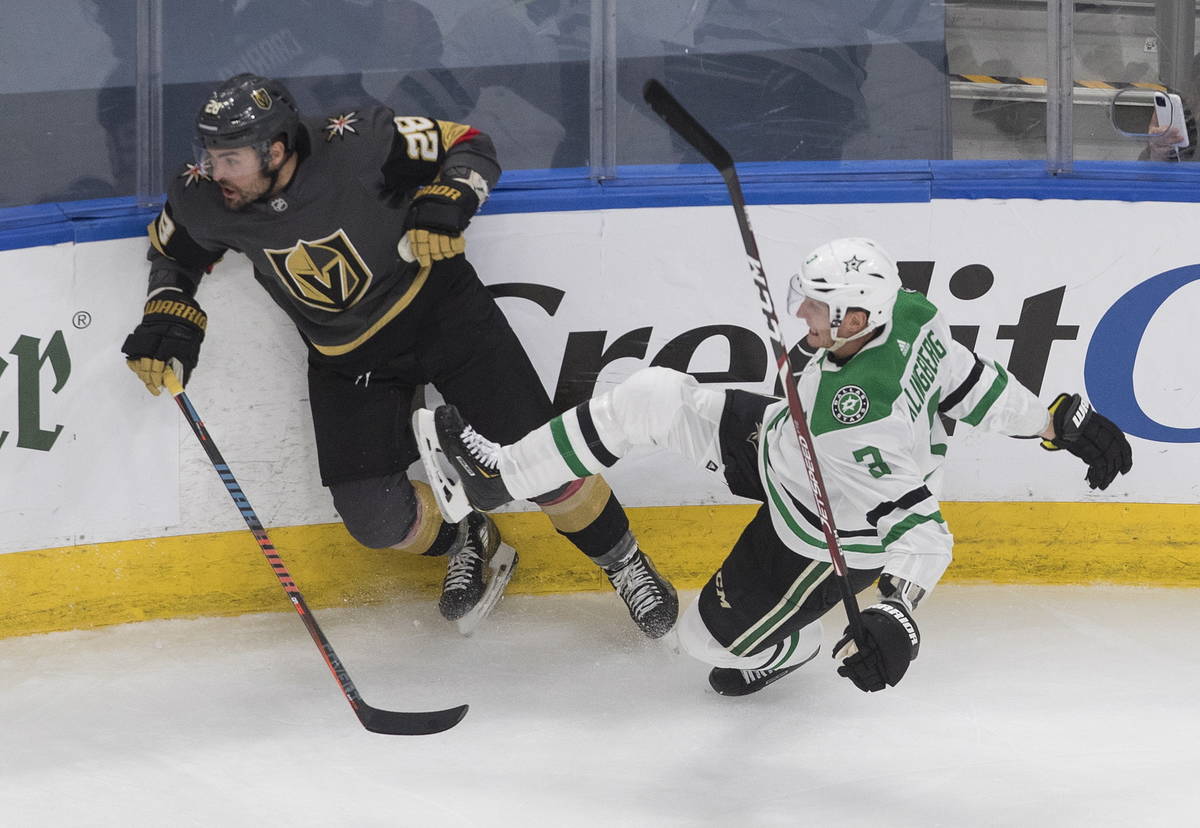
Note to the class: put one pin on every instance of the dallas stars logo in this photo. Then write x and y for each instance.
(338, 125)
(850, 404)
(854, 263)
(194, 173)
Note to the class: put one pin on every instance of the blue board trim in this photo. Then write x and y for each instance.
(696, 185)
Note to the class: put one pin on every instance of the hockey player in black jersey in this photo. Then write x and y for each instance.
(353, 224)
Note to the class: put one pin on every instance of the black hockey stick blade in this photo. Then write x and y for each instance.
(393, 723)
(387, 722)
(679, 119)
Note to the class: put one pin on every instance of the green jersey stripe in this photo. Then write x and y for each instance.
(793, 642)
(784, 510)
(563, 443)
(978, 412)
(910, 522)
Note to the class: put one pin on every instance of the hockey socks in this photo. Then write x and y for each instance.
(568, 447)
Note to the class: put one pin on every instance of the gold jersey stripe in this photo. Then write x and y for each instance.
(451, 132)
(392, 312)
(152, 231)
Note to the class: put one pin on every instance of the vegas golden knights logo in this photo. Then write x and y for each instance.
(261, 98)
(327, 273)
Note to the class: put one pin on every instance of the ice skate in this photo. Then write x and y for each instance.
(473, 456)
(651, 599)
(466, 597)
(733, 682)
(461, 465)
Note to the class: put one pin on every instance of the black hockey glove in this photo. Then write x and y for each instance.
(170, 333)
(891, 640)
(438, 215)
(1091, 437)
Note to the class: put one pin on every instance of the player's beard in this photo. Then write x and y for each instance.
(237, 199)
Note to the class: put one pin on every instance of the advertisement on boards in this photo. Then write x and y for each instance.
(1095, 297)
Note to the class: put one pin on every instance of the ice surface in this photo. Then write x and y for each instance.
(1028, 706)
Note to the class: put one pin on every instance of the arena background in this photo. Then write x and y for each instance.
(1064, 257)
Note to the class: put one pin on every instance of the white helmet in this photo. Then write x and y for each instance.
(845, 274)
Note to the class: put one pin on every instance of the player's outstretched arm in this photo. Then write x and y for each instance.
(170, 334)
(1090, 436)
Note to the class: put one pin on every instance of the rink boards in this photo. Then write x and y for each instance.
(110, 511)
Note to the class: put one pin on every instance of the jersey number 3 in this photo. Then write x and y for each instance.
(421, 135)
(874, 460)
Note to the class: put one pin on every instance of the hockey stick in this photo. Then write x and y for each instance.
(679, 119)
(373, 719)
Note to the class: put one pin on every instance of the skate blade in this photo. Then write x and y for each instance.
(502, 564)
(448, 491)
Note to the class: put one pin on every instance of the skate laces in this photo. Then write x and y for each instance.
(482, 450)
(637, 587)
(465, 565)
(751, 676)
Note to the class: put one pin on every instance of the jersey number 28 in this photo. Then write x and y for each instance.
(421, 135)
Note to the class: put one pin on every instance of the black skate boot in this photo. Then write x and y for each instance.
(475, 457)
(650, 597)
(463, 585)
(729, 681)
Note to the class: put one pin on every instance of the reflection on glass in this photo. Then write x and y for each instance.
(524, 67)
(822, 80)
(775, 80)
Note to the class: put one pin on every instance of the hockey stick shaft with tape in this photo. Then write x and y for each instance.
(372, 718)
(687, 127)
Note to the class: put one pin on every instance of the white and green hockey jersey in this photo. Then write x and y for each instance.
(881, 445)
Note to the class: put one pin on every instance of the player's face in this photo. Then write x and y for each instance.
(238, 172)
(816, 315)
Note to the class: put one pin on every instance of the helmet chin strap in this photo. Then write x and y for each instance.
(839, 341)
(273, 175)
(802, 330)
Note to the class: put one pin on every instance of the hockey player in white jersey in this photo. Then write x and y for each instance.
(884, 367)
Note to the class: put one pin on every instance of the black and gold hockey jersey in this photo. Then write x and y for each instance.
(325, 247)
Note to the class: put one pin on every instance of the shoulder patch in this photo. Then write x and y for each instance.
(195, 173)
(336, 126)
(850, 404)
